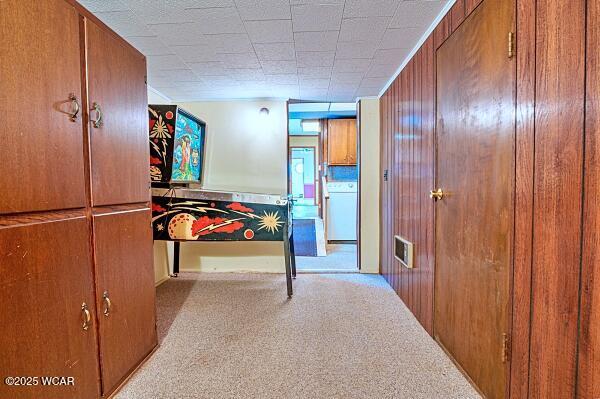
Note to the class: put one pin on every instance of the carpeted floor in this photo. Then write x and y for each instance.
(340, 336)
(340, 258)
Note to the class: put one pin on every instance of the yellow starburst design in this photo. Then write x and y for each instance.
(160, 130)
(270, 222)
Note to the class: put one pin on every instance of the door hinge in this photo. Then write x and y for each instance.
(385, 175)
(511, 44)
(505, 348)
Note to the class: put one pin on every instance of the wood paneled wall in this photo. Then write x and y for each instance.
(556, 289)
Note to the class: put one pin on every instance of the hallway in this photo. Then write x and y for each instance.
(237, 336)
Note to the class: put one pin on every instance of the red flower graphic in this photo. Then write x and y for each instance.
(206, 225)
(155, 161)
(236, 206)
(157, 208)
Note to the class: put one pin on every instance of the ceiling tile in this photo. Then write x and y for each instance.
(196, 53)
(149, 45)
(239, 60)
(317, 17)
(275, 51)
(104, 5)
(361, 29)
(374, 82)
(228, 42)
(359, 49)
(297, 2)
(254, 10)
(370, 8)
(315, 83)
(345, 77)
(215, 20)
(158, 62)
(277, 31)
(277, 67)
(282, 79)
(390, 56)
(382, 70)
(247, 74)
(416, 13)
(178, 75)
(315, 58)
(368, 92)
(401, 38)
(316, 41)
(315, 72)
(207, 68)
(351, 65)
(125, 23)
(313, 94)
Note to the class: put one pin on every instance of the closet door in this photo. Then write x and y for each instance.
(118, 126)
(40, 90)
(41, 297)
(125, 292)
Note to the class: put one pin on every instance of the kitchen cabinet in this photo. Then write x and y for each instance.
(341, 141)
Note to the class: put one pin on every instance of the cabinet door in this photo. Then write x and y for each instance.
(341, 137)
(337, 142)
(124, 275)
(46, 277)
(119, 141)
(42, 146)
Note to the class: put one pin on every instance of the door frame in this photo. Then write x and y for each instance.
(316, 200)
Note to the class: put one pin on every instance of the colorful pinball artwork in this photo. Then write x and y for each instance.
(176, 145)
(198, 220)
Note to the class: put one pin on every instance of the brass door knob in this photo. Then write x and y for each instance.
(436, 195)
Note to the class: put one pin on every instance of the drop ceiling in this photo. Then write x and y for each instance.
(320, 50)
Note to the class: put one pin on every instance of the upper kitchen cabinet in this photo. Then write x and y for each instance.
(118, 125)
(41, 123)
(341, 141)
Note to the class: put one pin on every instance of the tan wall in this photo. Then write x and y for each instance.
(369, 180)
(244, 152)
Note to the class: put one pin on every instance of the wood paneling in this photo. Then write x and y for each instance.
(559, 107)
(40, 307)
(589, 339)
(116, 82)
(549, 145)
(44, 168)
(525, 136)
(123, 250)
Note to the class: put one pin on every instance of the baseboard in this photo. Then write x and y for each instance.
(162, 280)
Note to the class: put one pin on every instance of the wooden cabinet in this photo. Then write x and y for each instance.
(61, 66)
(41, 297)
(118, 102)
(125, 292)
(42, 155)
(341, 141)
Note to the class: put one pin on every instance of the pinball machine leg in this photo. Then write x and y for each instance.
(288, 269)
(176, 258)
(292, 255)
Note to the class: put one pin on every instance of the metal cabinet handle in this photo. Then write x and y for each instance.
(107, 303)
(87, 317)
(75, 109)
(97, 123)
(436, 195)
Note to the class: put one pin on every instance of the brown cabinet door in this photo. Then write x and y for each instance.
(41, 315)
(341, 141)
(125, 277)
(119, 141)
(475, 218)
(42, 146)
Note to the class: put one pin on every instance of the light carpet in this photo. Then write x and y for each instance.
(340, 336)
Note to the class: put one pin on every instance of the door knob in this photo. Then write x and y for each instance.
(436, 195)
(107, 303)
(87, 317)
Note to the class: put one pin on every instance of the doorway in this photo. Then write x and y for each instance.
(475, 185)
(323, 183)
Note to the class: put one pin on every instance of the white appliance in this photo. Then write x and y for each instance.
(341, 211)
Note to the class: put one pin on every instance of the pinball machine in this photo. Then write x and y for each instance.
(182, 211)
